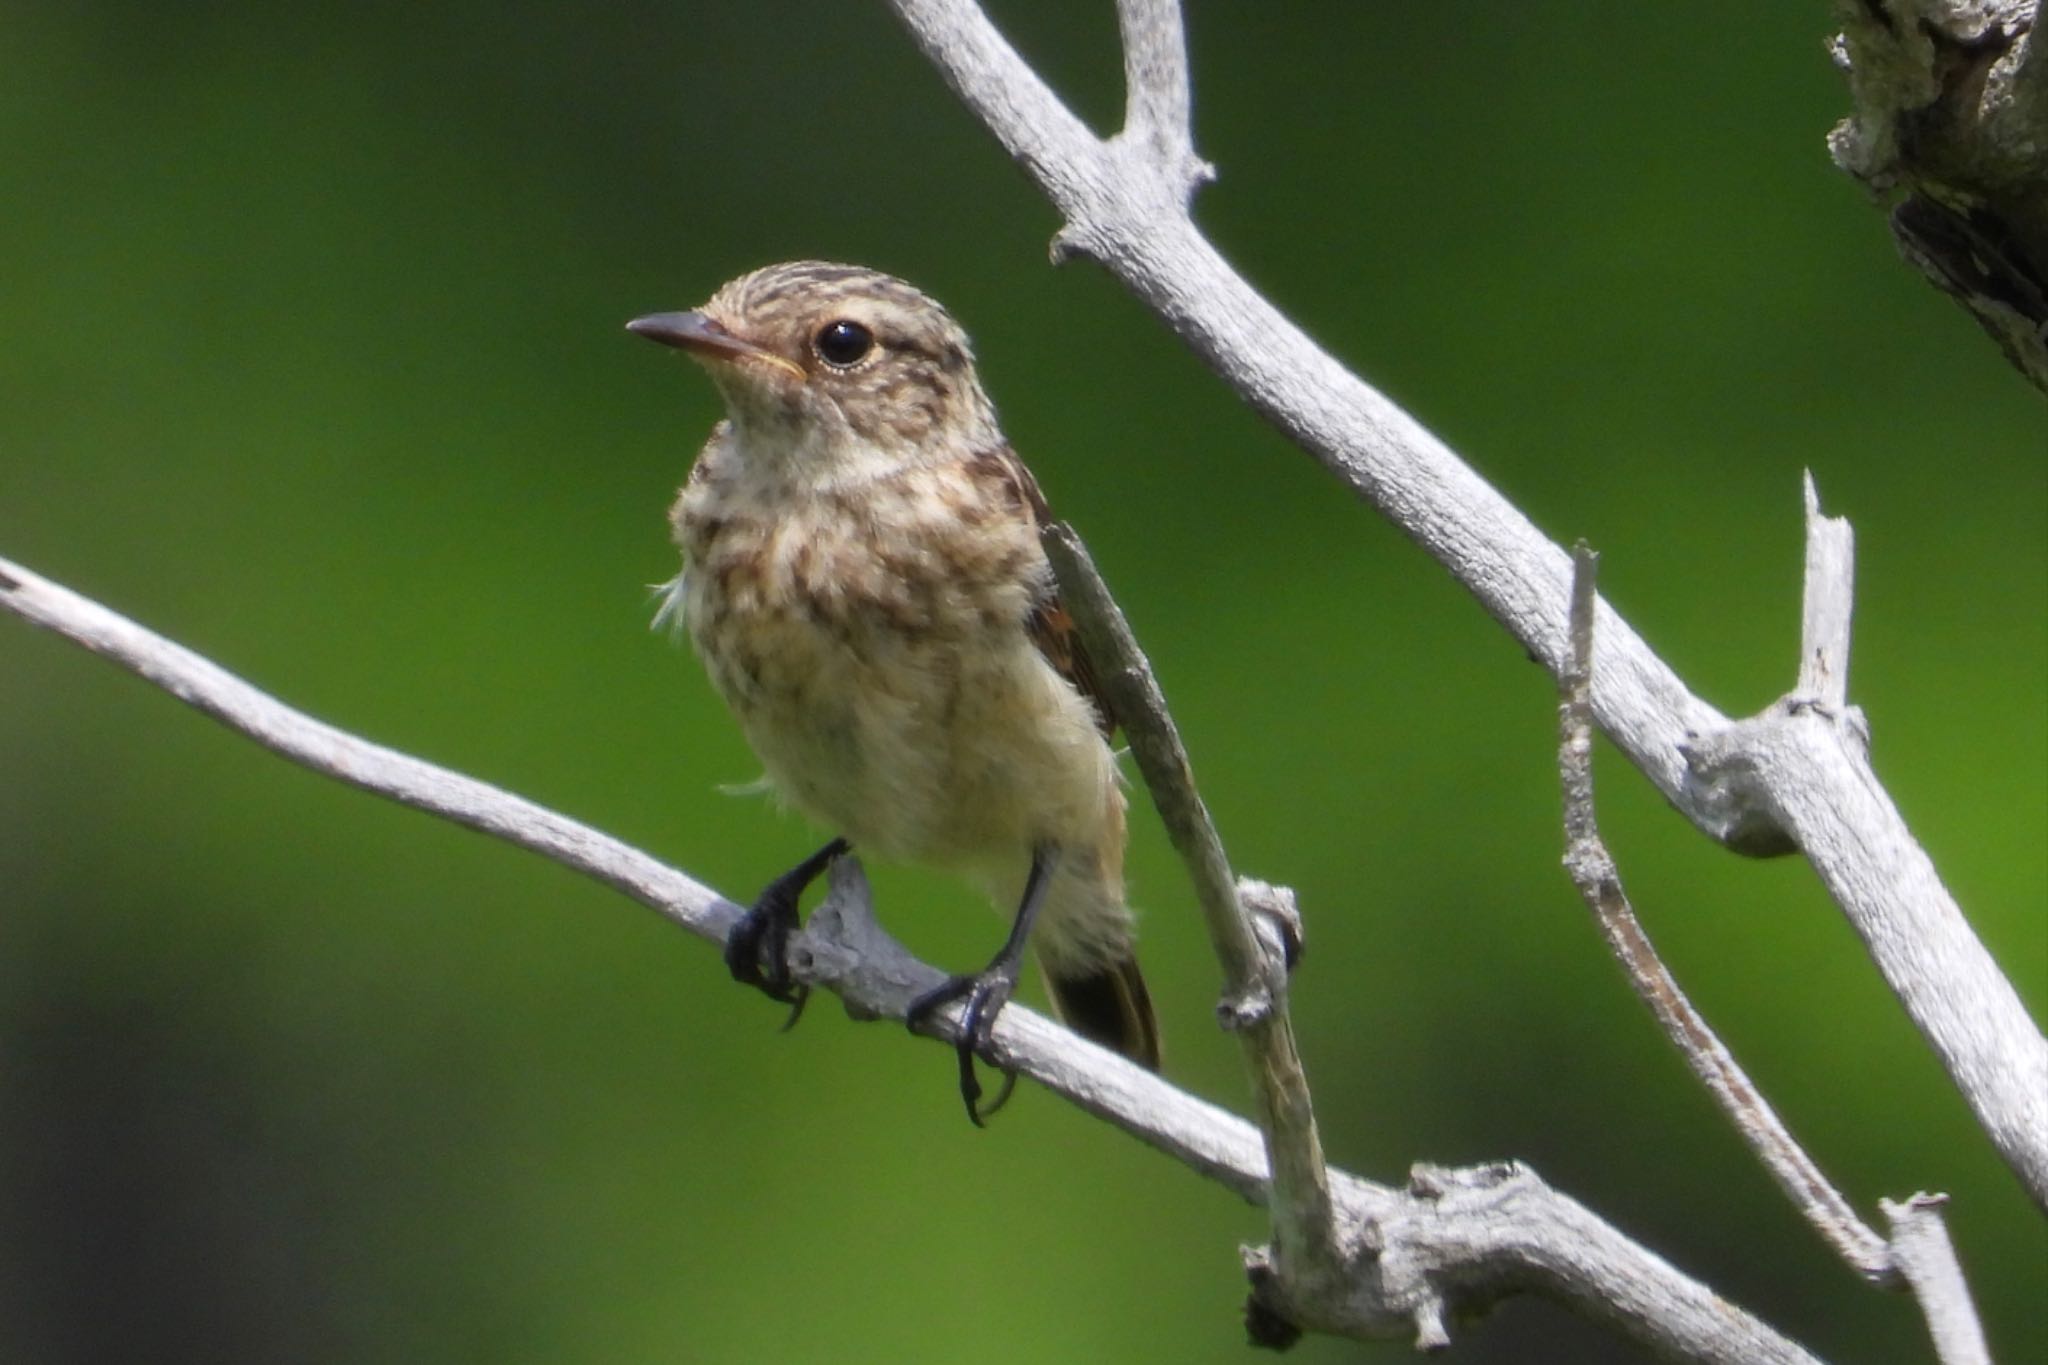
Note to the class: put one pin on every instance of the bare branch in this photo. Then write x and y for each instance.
(1034, 127)
(1803, 766)
(1480, 1209)
(1743, 785)
(1254, 1001)
(206, 686)
(1131, 219)
(1428, 1243)
(1925, 1256)
(1944, 1299)
(1158, 101)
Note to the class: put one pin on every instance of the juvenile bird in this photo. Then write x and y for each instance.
(864, 583)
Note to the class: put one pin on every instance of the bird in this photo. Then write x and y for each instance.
(864, 584)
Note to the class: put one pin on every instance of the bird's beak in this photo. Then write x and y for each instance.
(706, 338)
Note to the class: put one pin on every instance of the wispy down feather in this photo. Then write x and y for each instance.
(668, 611)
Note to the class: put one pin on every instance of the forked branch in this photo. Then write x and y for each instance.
(1944, 1296)
(1782, 781)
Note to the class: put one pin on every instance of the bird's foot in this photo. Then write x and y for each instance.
(986, 992)
(757, 949)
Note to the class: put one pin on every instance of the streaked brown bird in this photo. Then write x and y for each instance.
(863, 581)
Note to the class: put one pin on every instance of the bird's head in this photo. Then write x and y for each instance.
(835, 365)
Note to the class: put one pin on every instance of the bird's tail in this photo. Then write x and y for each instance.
(1109, 1005)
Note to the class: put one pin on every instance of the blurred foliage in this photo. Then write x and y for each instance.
(314, 362)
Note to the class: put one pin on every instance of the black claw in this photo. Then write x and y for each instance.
(988, 990)
(986, 993)
(798, 999)
(1009, 1088)
(970, 1089)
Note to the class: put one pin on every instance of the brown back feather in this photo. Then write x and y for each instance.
(1050, 625)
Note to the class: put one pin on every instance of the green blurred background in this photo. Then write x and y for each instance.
(313, 361)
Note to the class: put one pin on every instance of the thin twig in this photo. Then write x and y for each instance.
(1944, 1298)
(1125, 673)
(1254, 978)
(1749, 787)
(1594, 873)
(1827, 604)
(1466, 1243)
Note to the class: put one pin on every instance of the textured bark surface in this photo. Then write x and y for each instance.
(1949, 126)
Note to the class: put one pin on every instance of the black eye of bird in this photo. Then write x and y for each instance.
(843, 342)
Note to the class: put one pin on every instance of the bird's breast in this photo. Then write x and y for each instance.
(873, 649)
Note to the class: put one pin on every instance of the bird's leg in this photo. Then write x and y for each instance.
(988, 990)
(757, 949)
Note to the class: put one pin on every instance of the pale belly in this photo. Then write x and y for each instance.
(963, 749)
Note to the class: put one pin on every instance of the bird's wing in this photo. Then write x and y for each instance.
(1050, 625)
